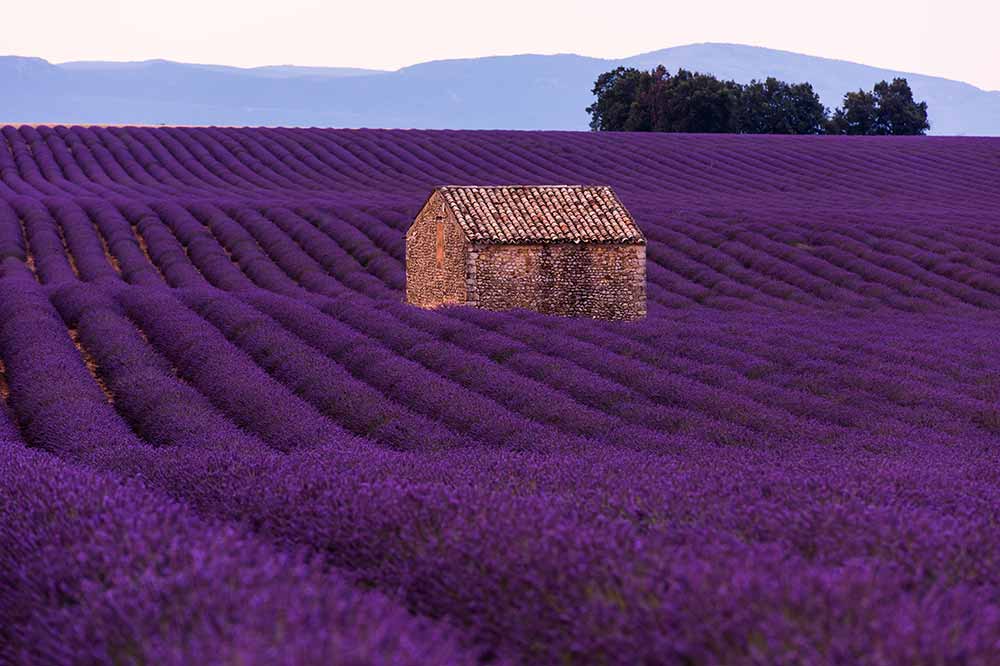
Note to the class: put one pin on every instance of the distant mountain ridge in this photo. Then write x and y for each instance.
(498, 92)
(275, 71)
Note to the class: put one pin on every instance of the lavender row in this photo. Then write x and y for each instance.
(626, 515)
(98, 571)
(216, 160)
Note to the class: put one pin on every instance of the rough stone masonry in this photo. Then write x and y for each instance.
(571, 250)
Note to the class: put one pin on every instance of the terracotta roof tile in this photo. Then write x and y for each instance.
(541, 214)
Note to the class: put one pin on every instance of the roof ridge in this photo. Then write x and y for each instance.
(521, 186)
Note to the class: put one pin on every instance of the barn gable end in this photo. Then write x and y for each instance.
(562, 249)
(436, 257)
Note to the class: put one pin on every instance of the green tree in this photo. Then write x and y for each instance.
(898, 112)
(775, 107)
(654, 101)
(888, 109)
(694, 102)
(645, 111)
(616, 93)
(856, 116)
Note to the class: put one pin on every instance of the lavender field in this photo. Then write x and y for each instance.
(225, 438)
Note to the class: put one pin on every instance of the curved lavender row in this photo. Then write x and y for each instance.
(635, 416)
(160, 407)
(84, 158)
(157, 164)
(329, 387)
(218, 160)
(323, 250)
(381, 228)
(881, 369)
(611, 380)
(474, 415)
(277, 168)
(244, 251)
(766, 281)
(343, 232)
(9, 172)
(164, 251)
(52, 393)
(95, 160)
(203, 250)
(82, 241)
(8, 430)
(653, 153)
(395, 520)
(165, 410)
(224, 374)
(25, 176)
(855, 520)
(361, 508)
(170, 152)
(12, 244)
(624, 381)
(97, 156)
(286, 252)
(50, 166)
(275, 150)
(131, 168)
(51, 259)
(68, 163)
(96, 571)
(487, 373)
(122, 244)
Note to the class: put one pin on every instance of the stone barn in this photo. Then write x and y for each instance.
(568, 250)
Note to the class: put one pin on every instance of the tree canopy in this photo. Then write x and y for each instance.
(633, 100)
(775, 107)
(636, 101)
(888, 109)
(617, 91)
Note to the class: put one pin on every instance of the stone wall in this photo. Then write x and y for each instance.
(592, 280)
(436, 257)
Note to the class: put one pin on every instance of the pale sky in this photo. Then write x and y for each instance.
(958, 39)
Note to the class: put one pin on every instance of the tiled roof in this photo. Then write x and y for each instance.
(541, 214)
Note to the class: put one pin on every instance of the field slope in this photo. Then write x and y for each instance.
(225, 438)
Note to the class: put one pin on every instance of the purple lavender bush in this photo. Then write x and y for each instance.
(224, 438)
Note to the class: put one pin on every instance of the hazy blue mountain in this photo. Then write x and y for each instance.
(512, 92)
(270, 71)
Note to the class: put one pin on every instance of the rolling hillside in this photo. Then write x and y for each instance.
(225, 438)
(515, 92)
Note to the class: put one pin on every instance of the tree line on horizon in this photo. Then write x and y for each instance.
(633, 100)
